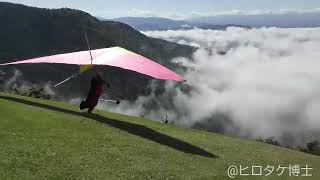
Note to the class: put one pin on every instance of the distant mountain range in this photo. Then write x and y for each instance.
(221, 22)
(162, 24)
(281, 20)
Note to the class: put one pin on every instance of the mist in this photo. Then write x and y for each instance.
(12, 83)
(267, 84)
(17, 83)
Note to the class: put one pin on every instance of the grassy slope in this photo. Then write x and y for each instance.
(38, 143)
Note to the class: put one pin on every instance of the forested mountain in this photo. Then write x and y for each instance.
(28, 32)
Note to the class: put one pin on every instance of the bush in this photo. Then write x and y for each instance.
(270, 140)
(38, 92)
(32, 91)
(312, 146)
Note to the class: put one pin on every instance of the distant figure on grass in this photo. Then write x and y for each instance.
(166, 121)
(95, 92)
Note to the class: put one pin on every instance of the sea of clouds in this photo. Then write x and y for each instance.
(267, 84)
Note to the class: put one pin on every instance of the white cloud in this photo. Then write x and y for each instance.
(267, 83)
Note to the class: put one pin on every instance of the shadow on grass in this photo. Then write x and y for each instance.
(136, 129)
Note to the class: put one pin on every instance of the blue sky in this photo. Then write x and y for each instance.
(173, 8)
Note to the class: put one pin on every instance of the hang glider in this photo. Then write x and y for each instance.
(115, 56)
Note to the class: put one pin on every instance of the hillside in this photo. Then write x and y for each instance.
(51, 140)
(29, 32)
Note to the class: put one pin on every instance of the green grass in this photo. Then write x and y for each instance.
(51, 140)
